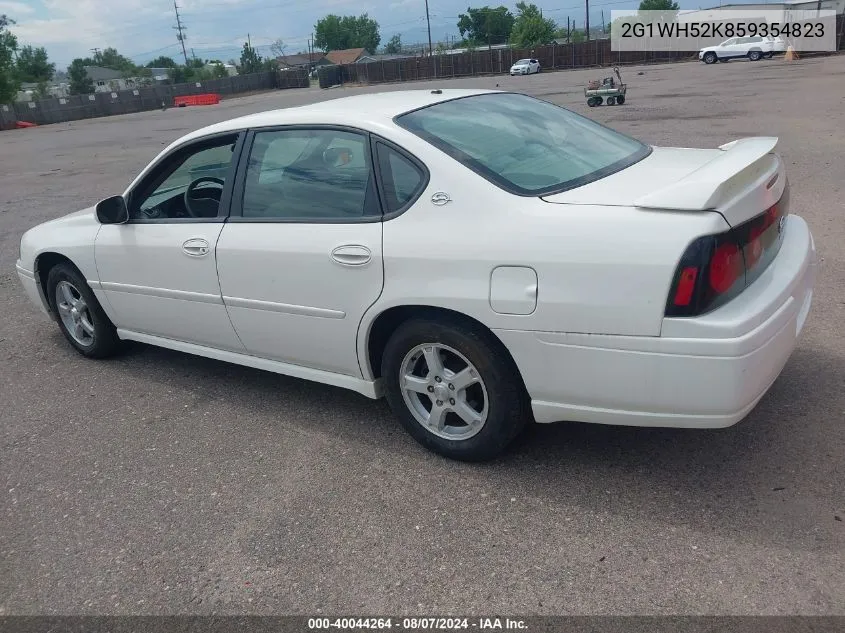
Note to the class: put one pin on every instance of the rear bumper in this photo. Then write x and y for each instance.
(703, 372)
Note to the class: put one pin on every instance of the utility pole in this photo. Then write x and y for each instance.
(428, 22)
(568, 40)
(94, 50)
(602, 21)
(587, 21)
(179, 32)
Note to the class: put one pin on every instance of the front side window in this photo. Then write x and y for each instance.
(188, 184)
(524, 145)
(309, 175)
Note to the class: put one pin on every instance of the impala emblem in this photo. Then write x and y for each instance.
(440, 198)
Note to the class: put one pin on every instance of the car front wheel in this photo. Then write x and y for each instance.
(710, 58)
(454, 388)
(80, 316)
(755, 55)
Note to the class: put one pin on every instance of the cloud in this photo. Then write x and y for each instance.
(142, 29)
(15, 9)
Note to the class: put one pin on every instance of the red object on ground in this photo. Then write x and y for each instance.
(190, 100)
(20, 124)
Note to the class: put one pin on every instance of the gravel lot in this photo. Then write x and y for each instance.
(162, 483)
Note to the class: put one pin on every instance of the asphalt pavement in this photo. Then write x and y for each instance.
(161, 483)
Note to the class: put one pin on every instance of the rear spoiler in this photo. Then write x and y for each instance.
(714, 182)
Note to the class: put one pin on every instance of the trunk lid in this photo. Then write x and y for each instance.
(740, 180)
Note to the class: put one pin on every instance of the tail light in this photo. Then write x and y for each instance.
(716, 268)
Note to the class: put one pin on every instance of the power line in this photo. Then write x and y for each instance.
(179, 34)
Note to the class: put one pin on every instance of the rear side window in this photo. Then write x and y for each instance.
(402, 180)
(309, 175)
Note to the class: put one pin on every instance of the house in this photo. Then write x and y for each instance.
(385, 57)
(302, 60)
(108, 80)
(346, 56)
(791, 10)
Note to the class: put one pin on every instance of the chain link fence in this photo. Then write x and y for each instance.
(100, 104)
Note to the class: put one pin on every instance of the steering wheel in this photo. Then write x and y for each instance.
(189, 197)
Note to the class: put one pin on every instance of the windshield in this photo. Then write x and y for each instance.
(526, 146)
(522, 61)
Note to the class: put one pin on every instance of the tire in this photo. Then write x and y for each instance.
(95, 336)
(611, 101)
(755, 56)
(770, 55)
(592, 102)
(710, 58)
(599, 100)
(497, 403)
(620, 99)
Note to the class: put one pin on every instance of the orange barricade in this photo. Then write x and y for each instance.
(190, 100)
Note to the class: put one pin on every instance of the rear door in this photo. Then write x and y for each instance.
(300, 260)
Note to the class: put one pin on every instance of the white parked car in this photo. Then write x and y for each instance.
(753, 48)
(525, 67)
(433, 247)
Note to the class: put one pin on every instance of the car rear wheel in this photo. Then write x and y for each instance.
(755, 55)
(454, 388)
(620, 99)
(80, 316)
(710, 58)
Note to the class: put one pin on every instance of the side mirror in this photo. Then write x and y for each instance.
(113, 211)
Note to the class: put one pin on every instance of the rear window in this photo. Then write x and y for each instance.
(524, 145)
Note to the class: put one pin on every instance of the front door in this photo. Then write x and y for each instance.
(300, 260)
(158, 271)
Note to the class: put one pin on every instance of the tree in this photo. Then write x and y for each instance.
(33, 65)
(80, 82)
(334, 33)
(278, 48)
(250, 60)
(486, 25)
(9, 83)
(218, 71)
(42, 91)
(162, 62)
(530, 27)
(110, 58)
(658, 5)
(179, 74)
(394, 45)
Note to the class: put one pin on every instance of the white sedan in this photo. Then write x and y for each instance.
(525, 67)
(480, 258)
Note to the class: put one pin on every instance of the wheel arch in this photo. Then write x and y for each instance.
(374, 337)
(44, 263)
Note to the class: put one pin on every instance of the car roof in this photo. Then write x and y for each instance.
(367, 111)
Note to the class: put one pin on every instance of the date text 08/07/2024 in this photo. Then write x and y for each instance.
(416, 624)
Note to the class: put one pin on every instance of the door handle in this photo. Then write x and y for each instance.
(196, 247)
(352, 255)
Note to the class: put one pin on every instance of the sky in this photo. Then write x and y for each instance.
(217, 29)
